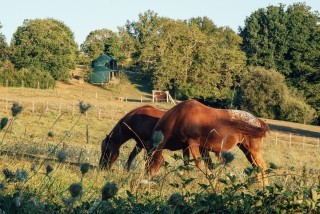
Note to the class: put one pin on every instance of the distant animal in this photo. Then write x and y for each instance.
(198, 126)
(138, 124)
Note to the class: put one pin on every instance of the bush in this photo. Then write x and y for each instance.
(264, 93)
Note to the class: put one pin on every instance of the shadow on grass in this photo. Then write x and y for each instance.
(297, 131)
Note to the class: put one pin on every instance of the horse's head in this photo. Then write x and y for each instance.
(106, 151)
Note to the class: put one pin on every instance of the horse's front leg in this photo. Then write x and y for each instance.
(255, 158)
(114, 157)
(154, 162)
(195, 151)
(136, 150)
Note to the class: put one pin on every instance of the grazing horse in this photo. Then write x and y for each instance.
(137, 124)
(199, 126)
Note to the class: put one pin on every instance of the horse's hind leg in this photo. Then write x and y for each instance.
(255, 158)
(136, 150)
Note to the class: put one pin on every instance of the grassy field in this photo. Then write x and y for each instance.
(29, 147)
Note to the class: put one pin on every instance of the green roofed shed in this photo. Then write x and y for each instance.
(103, 69)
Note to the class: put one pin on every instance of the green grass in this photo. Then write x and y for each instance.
(29, 146)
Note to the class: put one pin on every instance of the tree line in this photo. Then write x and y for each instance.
(271, 67)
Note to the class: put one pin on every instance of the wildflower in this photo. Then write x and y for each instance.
(61, 155)
(3, 123)
(109, 190)
(49, 169)
(227, 157)
(175, 199)
(84, 168)
(83, 107)
(75, 189)
(8, 174)
(16, 109)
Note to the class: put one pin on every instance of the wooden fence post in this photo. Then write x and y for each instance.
(303, 143)
(276, 138)
(99, 113)
(60, 109)
(290, 141)
(7, 104)
(32, 106)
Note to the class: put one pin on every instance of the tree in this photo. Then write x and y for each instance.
(46, 45)
(3, 46)
(103, 41)
(193, 59)
(265, 94)
(287, 40)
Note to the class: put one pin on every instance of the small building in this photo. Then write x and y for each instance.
(104, 68)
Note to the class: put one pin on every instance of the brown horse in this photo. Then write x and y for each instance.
(199, 126)
(138, 125)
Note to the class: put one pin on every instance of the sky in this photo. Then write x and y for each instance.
(82, 16)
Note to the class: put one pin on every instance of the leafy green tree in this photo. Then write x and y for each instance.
(287, 40)
(194, 58)
(264, 93)
(103, 41)
(3, 46)
(145, 32)
(46, 45)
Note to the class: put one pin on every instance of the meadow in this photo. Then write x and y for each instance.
(50, 153)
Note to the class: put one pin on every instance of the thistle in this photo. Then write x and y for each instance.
(175, 199)
(8, 174)
(50, 134)
(3, 123)
(61, 156)
(84, 107)
(84, 168)
(75, 189)
(16, 109)
(227, 157)
(48, 169)
(109, 190)
(21, 175)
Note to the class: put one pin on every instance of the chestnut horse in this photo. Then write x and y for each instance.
(199, 126)
(138, 125)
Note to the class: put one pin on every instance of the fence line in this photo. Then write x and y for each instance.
(113, 112)
(293, 139)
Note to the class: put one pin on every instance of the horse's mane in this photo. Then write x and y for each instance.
(250, 130)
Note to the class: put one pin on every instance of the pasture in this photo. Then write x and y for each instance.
(50, 131)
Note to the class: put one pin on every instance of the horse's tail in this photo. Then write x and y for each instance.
(251, 130)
